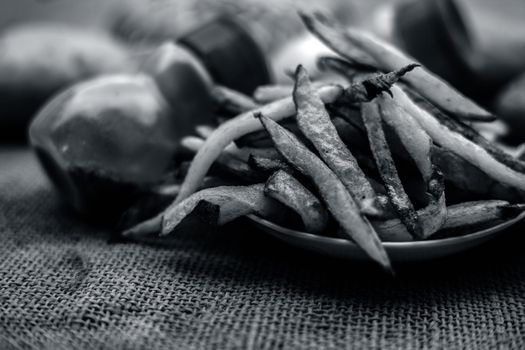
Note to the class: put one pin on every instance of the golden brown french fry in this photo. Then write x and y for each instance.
(355, 44)
(332, 191)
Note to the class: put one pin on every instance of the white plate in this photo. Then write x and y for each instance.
(398, 251)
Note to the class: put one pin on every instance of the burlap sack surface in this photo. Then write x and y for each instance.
(67, 285)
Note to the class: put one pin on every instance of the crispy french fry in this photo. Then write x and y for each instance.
(433, 217)
(414, 139)
(479, 212)
(284, 188)
(458, 215)
(315, 124)
(332, 191)
(278, 110)
(368, 89)
(232, 202)
(354, 44)
(459, 144)
(387, 169)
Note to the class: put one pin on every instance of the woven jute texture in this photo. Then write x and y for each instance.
(66, 285)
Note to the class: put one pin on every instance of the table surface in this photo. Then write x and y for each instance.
(65, 284)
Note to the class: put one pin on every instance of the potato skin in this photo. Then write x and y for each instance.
(37, 60)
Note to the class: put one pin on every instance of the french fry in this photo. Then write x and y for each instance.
(458, 215)
(433, 217)
(459, 144)
(232, 202)
(479, 212)
(414, 139)
(344, 68)
(469, 181)
(332, 191)
(228, 163)
(368, 89)
(278, 110)
(354, 44)
(269, 93)
(315, 124)
(387, 169)
(284, 188)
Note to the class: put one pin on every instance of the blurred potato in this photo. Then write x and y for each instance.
(39, 59)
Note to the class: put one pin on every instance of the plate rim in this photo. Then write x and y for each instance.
(391, 245)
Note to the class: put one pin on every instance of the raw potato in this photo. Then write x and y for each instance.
(284, 188)
(332, 191)
(37, 60)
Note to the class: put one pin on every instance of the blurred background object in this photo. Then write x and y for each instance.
(39, 59)
(478, 45)
(511, 106)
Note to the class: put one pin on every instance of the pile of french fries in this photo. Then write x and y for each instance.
(370, 160)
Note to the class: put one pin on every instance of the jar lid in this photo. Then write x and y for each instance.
(230, 54)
